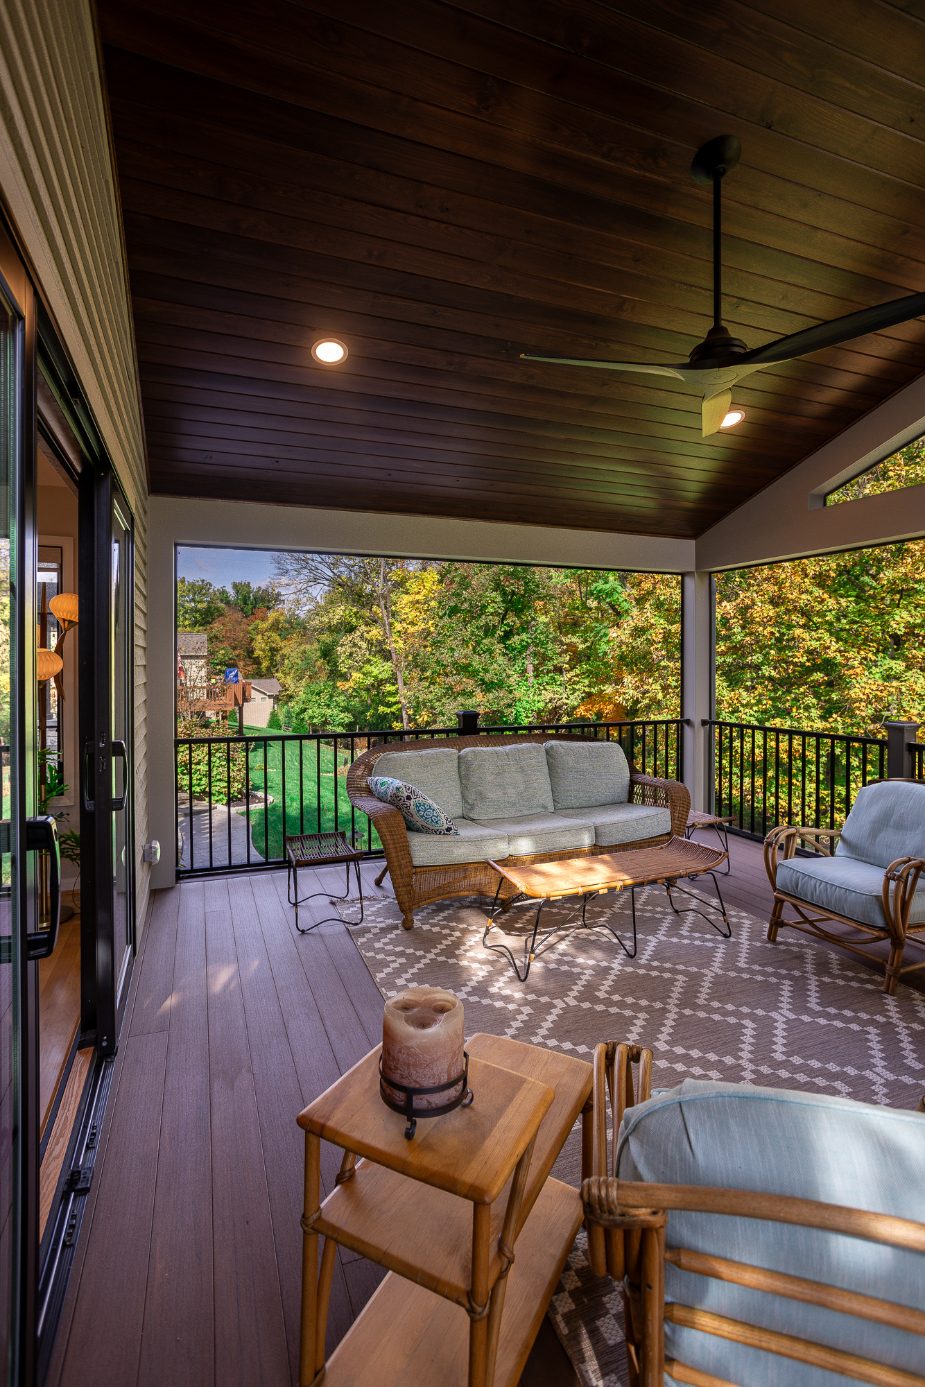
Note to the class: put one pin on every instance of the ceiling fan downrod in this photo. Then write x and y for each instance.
(709, 166)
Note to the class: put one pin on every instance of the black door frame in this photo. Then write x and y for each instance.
(103, 1005)
(25, 1158)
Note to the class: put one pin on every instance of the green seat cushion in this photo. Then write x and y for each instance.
(471, 843)
(528, 834)
(616, 824)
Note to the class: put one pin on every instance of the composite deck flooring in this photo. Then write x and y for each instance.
(188, 1264)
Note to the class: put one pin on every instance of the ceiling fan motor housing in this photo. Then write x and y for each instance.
(718, 348)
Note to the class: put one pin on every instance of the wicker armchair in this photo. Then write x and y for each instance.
(417, 886)
(752, 1240)
(884, 835)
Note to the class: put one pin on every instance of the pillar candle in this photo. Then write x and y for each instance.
(422, 1043)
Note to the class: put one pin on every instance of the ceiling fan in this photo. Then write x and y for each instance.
(720, 361)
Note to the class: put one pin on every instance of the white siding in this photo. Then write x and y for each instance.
(58, 187)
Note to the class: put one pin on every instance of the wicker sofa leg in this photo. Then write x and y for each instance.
(382, 875)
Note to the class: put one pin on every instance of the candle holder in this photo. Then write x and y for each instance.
(406, 1105)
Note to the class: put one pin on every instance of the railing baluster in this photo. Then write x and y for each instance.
(228, 793)
(318, 784)
(192, 847)
(247, 795)
(301, 786)
(266, 803)
(211, 801)
(336, 800)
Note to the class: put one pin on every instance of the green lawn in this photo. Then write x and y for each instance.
(315, 798)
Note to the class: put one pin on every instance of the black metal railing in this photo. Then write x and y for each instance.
(917, 760)
(763, 776)
(239, 797)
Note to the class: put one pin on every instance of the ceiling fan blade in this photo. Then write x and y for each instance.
(832, 334)
(713, 411)
(682, 372)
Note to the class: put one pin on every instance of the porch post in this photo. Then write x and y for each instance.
(900, 734)
(697, 683)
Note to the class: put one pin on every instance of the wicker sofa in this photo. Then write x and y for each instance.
(538, 821)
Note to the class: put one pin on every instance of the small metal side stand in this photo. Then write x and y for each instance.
(321, 850)
(406, 1105)
(719, 823)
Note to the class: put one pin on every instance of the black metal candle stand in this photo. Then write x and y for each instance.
(406, 1105)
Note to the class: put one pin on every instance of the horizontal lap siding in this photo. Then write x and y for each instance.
(58, 187)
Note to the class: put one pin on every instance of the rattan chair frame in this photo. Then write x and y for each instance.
(900, 880)
(627, 1223)
(417, 886)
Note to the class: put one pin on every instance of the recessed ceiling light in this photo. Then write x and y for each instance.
(735, 416)
(329, 351)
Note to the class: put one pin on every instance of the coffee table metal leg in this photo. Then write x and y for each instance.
(725, 930)
(529, 943)
(602, 924)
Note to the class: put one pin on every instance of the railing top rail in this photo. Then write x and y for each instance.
(419, 732)
(855, 737)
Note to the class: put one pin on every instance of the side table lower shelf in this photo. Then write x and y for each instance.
(408, 1335)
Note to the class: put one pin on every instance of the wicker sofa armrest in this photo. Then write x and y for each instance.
(666, 794)
(392, 830)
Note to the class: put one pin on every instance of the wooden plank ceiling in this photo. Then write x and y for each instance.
(446, 185)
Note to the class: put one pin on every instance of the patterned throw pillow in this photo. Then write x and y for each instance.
(417, 809)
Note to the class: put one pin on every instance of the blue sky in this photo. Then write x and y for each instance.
(225, 566)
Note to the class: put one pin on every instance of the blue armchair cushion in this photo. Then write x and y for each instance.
(808, 1145)
(844, 885)
(887, 821)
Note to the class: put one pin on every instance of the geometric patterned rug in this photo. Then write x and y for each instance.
(790, 1015)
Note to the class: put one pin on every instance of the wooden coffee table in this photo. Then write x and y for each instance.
(589, 877)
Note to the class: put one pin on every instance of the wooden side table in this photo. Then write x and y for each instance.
(321, 850)
(444, 1213)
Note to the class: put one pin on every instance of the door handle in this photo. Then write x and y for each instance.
(87, 777)
(42, 836)
(120, 753)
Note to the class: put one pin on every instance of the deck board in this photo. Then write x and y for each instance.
(180, 1289)
(106, 1332)
(188, 1268)
(250, 1333)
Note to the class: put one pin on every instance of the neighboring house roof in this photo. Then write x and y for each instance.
(267, 686)
(192, 643)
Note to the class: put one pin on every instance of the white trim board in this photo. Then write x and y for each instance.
(249, 525)
(787, 520)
